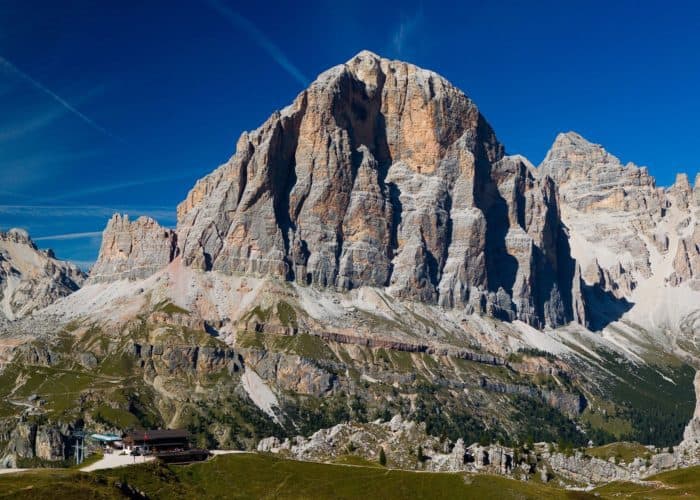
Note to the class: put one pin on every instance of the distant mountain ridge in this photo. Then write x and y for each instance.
(30, 278)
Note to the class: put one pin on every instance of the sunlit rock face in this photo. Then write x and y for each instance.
(383, 174)
(626, 232)
(133, 249)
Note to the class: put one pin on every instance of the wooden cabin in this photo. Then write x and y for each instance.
(157, 440)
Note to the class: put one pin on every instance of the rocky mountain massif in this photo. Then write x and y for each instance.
(370, 251)
(384, 175)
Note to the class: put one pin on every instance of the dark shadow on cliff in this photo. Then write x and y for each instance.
(283, 178)
(501, 267)
(603, 307)
(565, 271)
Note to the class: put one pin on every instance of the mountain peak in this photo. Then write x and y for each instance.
(17, 235)
(363, 54)
(682, 182)
(354, 186)
(573, 140)
(572, 155)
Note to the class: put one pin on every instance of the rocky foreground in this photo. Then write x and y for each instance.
(407, 446)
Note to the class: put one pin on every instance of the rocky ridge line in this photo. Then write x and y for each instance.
(31, 279)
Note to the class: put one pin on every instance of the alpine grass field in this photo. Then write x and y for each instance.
(258, 476)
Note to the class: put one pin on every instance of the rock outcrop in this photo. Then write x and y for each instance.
(686, 263)
(133, 250)
(158, 359)
(291, 372)
(28, 441)
(400, 439)
(30, 278)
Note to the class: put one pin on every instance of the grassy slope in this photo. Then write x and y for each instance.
(57, 484)
(260, 476)
(681, 483)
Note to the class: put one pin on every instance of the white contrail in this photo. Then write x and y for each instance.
(69, 236)
(260, 38)
(33, 124)
(7, 66)
(157, 212)
(406, 30)
(106, 188)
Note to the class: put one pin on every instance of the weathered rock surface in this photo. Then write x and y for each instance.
(180, 359)
(49, 443)
(28, 440)
(133, 250)
(21, 443)
(402, 440)
(633, 241)
(383, 174)
(588, 469)
(566, 402)
(291, 372)
(603, 201)
(30, 278)
(686, 263)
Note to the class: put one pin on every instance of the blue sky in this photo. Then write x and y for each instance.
(120, 106)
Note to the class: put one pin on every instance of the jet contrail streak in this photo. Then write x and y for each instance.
(69, 236)
(260, 38)
(7, 66)
(106, 188)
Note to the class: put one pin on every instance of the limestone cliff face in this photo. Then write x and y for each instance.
(30, 278)
(383, 174)
(625, 231)
(133, 250)
(27, 440)
(686, 261)
(602, 200)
